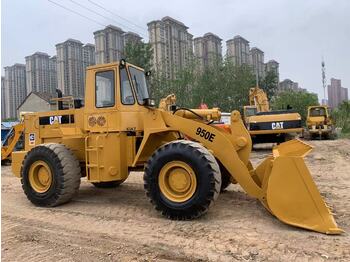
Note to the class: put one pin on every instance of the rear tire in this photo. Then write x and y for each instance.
(50, 175)
(206, 178)
(109, 184)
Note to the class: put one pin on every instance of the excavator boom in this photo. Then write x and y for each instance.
(258, 98)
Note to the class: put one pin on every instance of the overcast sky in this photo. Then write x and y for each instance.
(295, 33)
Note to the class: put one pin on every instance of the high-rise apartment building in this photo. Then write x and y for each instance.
(257, 62)
(208, 50)
(288, 84)
(15, 88)
(109, 44)
(273, 66)
(172, 45)
(3, 98)
(70, 70)
(336, 93)
(40, 73)
(238, 50)
(53, 73)
(88, 57)
(131, 38)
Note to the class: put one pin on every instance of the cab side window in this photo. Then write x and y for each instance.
(105, 89)
(125, 88)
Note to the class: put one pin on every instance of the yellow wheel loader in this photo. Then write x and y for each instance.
(182, 152)
(266, 126)
(319, 123)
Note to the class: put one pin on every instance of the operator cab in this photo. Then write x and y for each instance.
(133, 86)
(116, 94)
(250, 111)
(318, 111)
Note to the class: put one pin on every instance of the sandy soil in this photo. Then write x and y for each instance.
(121, 225)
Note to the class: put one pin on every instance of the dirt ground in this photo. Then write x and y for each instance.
(121, 225)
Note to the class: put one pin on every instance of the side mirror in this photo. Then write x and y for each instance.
(122, 63)
(149, 102)
(148, 73)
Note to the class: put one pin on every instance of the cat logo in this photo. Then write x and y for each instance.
(54, 119)
(277, 125)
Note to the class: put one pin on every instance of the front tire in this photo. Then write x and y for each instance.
(50, 175)
(182, 179)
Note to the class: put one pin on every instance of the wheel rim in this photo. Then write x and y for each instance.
(40, 176)
(177, 181)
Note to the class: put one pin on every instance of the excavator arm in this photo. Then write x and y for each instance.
(258, 98)
(11, 141)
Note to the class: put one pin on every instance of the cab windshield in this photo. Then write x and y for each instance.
(250, 111)
(317, 111)
(139, 82)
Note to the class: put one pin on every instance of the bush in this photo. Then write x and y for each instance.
(341, 116)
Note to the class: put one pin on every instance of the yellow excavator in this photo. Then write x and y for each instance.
(265, 125)
(183, 152)
(319, 123)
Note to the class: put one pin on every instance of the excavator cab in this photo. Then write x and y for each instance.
(249, 111)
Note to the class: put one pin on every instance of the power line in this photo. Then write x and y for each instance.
(93, 11)
(72, 11)
(109, 11)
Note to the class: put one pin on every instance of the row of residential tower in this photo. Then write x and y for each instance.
(173, 48)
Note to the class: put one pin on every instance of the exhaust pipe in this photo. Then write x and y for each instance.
(59, 95)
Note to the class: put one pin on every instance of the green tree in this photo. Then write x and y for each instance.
(341, 116)
(10, 120)
(139, 54)
(222, 85)
(269, 84)
(298, 100)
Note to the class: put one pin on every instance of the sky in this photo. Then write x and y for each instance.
(295, 33)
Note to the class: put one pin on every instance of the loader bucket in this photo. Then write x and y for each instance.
(291, 194)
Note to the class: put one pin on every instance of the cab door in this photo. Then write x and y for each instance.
(101, 111)
(105, 144)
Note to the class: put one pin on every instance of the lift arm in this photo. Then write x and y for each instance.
(11, 140)
(282, 182)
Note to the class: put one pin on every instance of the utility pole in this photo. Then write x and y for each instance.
(324, 79)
